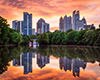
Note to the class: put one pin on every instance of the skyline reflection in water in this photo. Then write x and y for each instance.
(73, 60)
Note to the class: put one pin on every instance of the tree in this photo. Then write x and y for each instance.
(71, 37)
(90, 37)
(80, 37)
(68, 31)
(7, 54)
(4, 30)
(8, 35)
(16, 38)
(43, 39)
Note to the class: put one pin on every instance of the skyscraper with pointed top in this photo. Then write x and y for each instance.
(75, 21)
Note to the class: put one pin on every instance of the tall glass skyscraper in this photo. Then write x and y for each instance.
(27, 24)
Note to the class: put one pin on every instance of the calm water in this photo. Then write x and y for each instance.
(49, 63)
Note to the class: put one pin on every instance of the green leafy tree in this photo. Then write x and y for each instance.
(43, 39)
(90, 37)
(4, 30)
(80, 37)
(68, 31)
(71, 37)
(16, 38)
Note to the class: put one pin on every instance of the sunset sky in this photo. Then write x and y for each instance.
(50, 10)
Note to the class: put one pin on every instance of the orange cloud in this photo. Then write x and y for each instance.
(12, 9)
(54, 28)
(14, 73)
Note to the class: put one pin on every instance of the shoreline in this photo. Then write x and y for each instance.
(81, 46)
(8, 45)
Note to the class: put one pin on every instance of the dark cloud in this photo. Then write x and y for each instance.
(14, 3)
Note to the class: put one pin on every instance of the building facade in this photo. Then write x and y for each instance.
(16, 25)
(61, 24)
(65, 23)
(73, 22)
(27, 24)
(77, 22)
(42, 26)
(86, 27)
(33, 32)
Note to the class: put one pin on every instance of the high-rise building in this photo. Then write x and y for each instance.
(61, 24)
(16, 25)
(69, 23)
(27, 24)
(65, 24)
(33, 32)
(22, 28)
(77, 23)
(73, 22)
(42, 26)
(84, 21)
(47, 28)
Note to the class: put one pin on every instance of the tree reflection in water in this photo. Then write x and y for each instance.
(70, 58)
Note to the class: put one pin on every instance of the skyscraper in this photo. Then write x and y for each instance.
(66, 23)
(61, 24)
(27, 24)
(69, 23)
(42, 26)
(73, 22)
(76, 18)
(33, 32)
(77, 23)
(22, 30)
(84, 21)
(16, 25)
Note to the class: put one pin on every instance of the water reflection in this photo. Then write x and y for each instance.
(69, 58)
(6, 55)
(42, 60)
(74, 65)
(24, 60)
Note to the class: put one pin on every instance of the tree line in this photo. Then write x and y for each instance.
(71, 37)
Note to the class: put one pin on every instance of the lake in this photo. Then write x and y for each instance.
(50, 63)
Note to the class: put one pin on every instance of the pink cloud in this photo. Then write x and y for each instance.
(51, 8)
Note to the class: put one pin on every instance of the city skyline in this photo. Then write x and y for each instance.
(74, 22)
(51, 10)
